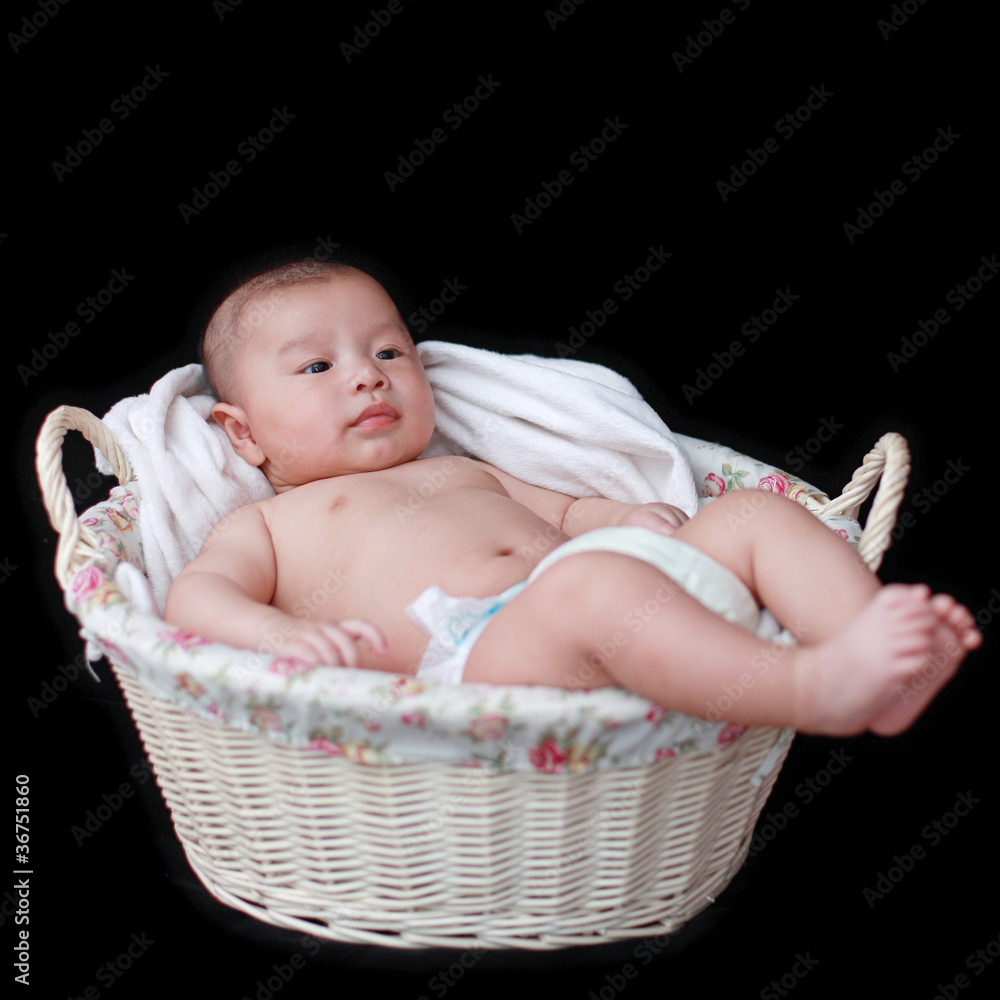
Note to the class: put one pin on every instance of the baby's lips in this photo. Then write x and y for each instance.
(376, 415)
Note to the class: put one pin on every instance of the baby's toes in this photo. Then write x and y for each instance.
(944, 606)
(964, 624)
(958, 619)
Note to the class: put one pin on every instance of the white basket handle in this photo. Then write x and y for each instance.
(890, 460)
(77, 543)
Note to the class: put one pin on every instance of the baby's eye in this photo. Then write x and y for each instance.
(315, 367)
(391, 351)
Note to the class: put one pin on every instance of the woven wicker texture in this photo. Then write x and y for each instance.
(440, 855)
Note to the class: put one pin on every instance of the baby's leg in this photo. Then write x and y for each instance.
(807, 576)
(870, 657)
(600, 618)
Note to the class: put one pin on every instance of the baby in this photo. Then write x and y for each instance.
(493, 580)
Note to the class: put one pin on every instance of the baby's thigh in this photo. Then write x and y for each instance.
(561, 628)
(533, 638)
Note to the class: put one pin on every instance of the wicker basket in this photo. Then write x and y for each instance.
(440, 855)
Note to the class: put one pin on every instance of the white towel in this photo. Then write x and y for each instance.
(571, 426)
(187, 475)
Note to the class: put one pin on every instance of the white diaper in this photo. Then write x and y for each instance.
(455, 623)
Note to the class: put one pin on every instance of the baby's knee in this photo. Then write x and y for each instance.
(740, 507)
(750, 495)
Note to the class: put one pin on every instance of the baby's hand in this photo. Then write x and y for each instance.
(659, 517)
(325, 644)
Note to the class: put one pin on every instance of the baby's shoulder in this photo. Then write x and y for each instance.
(244, 518)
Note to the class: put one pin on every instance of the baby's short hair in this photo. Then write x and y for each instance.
(246, 308)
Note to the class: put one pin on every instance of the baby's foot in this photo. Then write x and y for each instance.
(883, 669)
(953, 634)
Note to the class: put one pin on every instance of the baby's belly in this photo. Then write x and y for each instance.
(377, 564)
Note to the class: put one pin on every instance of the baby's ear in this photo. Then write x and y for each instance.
(233, 420)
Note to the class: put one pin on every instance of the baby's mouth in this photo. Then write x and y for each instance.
(376, 415)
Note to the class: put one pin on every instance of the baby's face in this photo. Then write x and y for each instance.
(331, 384)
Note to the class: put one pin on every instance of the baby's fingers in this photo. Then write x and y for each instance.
(653, 517)
(322, 648)
(345, 652)
(358, 628)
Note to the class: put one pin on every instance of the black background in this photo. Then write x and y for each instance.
(224, 70)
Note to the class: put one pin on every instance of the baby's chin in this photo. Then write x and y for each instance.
(391, 459)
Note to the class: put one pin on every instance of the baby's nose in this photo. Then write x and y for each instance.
(367, 377)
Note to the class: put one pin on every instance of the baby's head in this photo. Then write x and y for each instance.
(316, 374)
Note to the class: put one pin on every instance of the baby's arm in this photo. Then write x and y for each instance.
(224, 595)
(596, 512)
(575, 516)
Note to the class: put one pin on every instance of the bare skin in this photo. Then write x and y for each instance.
(336, 410)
